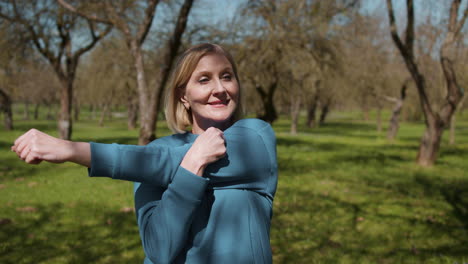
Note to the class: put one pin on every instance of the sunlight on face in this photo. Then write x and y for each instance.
(212, 93)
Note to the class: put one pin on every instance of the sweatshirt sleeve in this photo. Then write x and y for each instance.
(154, 164)
(250, 161)
(164, 221)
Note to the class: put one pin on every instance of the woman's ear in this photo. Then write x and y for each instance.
(184, 101)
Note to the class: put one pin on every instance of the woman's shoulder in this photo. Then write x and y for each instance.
(173, 140)
(253, 123)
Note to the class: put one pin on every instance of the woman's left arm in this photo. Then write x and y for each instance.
(250, 161)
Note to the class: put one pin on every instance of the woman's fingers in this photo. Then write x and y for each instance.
(23, 141)
(20, 146)
(215, 144)
(207, 148)
(32, 158)
(25, 153)
(26, 146)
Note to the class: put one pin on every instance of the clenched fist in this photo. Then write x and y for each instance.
(35, 146)
(207, 148)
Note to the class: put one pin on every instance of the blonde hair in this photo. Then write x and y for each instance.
(179, 118)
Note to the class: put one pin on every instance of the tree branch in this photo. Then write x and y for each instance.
(409, 34)
(390, 99)
(118, 22)
(461, 23)
(172, 47)
(95, 39)
(406, 50)
(147, 22)
(72, 9)
(393, 27)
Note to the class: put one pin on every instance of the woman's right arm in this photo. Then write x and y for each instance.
(154, 164)
(35, 146)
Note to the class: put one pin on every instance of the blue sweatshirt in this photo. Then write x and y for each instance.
(222, 217)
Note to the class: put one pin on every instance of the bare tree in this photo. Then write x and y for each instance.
(135, 34)
(51, 30)
(287, 34)
(435, 122)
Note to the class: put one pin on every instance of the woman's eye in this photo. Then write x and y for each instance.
(203, 80)
(227, 77)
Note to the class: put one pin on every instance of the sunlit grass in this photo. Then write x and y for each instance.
(345, 195)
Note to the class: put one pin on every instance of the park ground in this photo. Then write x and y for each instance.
(345, 195)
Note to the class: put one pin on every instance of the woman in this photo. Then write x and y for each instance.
(203, 196)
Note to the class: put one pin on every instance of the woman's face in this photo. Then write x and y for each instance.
(212, 93)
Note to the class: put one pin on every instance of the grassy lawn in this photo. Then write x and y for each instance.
(345, 195)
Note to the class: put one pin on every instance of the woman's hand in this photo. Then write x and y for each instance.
(35, 146)
(207, 148)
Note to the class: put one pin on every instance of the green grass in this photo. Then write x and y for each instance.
(345, 195)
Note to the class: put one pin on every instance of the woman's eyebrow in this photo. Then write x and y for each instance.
(203, 72)
(229, 68)
(207, 72)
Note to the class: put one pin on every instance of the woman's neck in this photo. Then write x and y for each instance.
(199, 129)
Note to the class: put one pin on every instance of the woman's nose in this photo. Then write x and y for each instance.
(219, 87)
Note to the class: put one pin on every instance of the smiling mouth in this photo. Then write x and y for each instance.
(218, 103)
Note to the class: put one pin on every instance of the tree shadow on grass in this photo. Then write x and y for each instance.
(454, 151)
(12, 167)
(44, 235)
(368, 158)
(334, 128)
(455, 194)
(352, 130)
(335, 228)
(300, 161)
(6, 145)
(311, 145)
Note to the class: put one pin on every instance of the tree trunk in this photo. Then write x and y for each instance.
(311, 112)
(65, 121)
(365, 112)
(26, 110)
(76, 109)
(132, 116)
(295, 110)
(92, 116)
(36, 111)
(109, 112)
(107, 108)
(324, 112)
(430, 144)
(104, 113)
(132, 108)
(394, 125)
(148, 129)
(5, 107)
(453, 121)
(270, 114)
(49, 115)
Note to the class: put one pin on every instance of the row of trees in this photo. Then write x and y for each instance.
(294, 57)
